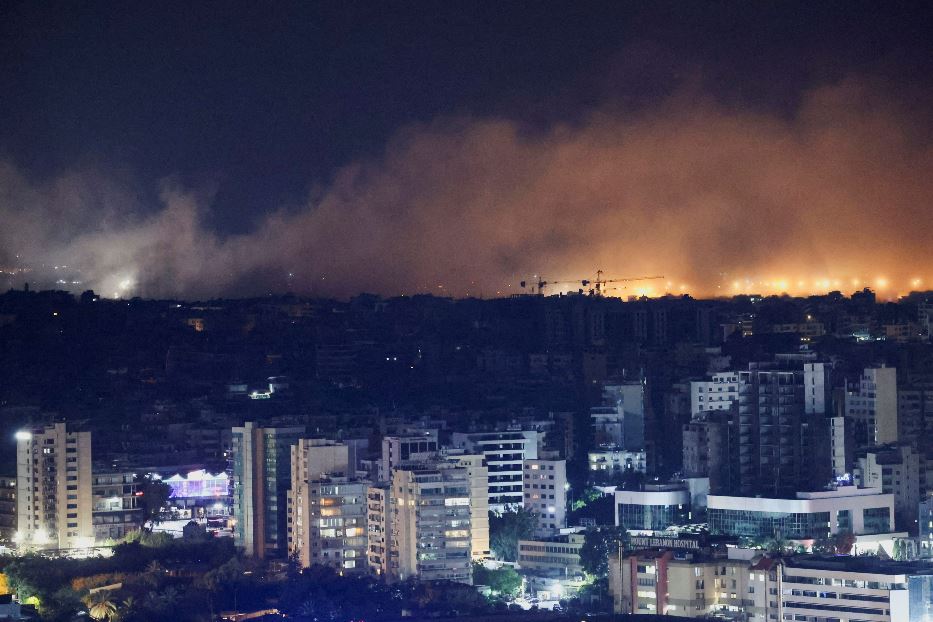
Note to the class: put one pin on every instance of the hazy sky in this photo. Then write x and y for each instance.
(227, 148)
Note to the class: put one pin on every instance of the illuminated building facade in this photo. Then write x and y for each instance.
(812, 515)
(431, 537)
(205, 494)
(545, 494)
(329, 525)
(116, 509)
(54, 488)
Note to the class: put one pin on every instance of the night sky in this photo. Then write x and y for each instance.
(198, 149)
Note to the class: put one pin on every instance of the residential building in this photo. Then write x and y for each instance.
(871, 404)
(626, 398)
(915, 417)
(430, 525)
(261, 460)
(896, 470)
(53, 488)
(690, 583)
(556, 555)
(116, 511)
(406, 450)
(811, 515)
(379, 528)
(7, 508)
(504, 453)
(329, 524)
(604, 464)
(717, 393)
(478, 475)
(545, 494)
(707, 443)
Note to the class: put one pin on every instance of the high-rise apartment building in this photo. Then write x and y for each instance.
(478, 476)
(504, 454)
(545, 493)
(261, 478)
(54, 488)
(431, 536)
(329, 524)
(327, 507)
(871, 404)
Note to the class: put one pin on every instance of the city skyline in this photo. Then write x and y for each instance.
(752, 149)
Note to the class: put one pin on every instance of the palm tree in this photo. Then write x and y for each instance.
(100, 607)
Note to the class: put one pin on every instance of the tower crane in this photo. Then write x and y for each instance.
(599, 285)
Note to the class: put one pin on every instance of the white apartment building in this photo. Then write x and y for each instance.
(872, 406)
(478, 476)
(717, 393)
(430, 524)
(504, 453)
(722, 389)
(53, 486)
(545, 494)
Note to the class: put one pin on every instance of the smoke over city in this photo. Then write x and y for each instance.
(835, 195)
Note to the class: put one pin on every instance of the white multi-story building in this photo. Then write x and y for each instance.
(54, 488)
(478, 475)
(504, 453)
(545, 494)
(717, 393)
(872, 406)
(430, 523)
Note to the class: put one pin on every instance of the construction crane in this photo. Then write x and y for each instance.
(599, 285)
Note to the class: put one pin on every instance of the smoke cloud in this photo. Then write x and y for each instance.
(835, 195)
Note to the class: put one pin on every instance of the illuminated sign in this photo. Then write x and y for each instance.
(654, 542)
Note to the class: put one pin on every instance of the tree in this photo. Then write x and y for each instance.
(100, 607)
(507, 528)
(153, 496)
(598, 544)
(503, 581)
